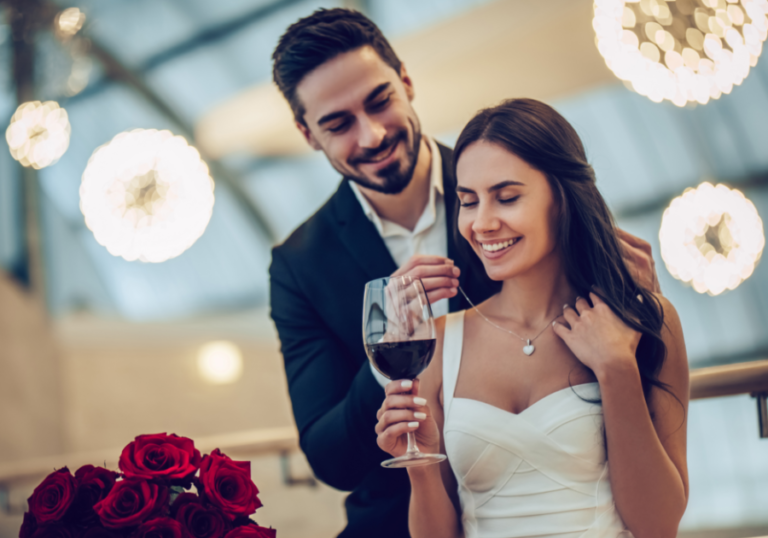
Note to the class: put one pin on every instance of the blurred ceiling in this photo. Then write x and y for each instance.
(199, 67)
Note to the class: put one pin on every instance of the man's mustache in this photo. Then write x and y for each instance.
(370, 154)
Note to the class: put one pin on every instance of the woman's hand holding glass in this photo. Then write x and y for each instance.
(404, 411)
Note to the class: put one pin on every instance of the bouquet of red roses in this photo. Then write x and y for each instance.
(149, 497)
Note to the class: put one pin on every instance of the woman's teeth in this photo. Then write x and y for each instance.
(493, 247)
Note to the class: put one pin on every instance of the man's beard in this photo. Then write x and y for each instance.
(395, 180)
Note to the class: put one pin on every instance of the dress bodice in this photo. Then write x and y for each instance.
(540, 472)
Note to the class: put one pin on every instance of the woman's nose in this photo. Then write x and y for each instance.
(485, 221)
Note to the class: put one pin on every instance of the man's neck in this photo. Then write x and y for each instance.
(406, 207)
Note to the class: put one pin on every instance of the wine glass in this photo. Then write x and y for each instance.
(399, 338)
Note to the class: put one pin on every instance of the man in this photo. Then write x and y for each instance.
(392, 214)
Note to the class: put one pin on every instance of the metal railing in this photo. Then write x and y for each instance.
(728, 380)
(732, 379)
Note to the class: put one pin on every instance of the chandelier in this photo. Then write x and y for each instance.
(681, 50)
(38, 134)
(146, 195)
(711, 237)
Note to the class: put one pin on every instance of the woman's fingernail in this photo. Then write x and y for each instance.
(456, 271)
(577, 299)
(565, 306)
(554, 323)
(406, 383)
(418, 400)
(413, 424)
(419, 415)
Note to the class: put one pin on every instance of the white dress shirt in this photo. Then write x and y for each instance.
(429, 236)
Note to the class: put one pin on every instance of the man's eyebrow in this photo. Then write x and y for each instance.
(341, 113)
(498, 186)
(376, 92)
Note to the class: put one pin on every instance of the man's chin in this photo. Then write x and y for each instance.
(384, 185)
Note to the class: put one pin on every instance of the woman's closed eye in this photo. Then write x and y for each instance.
(509, 200)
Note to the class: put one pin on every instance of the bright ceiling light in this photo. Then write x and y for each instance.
(711, 237)
(38, 134)
(69, 22)
(681, 50)
(220, 362)
(146, 195)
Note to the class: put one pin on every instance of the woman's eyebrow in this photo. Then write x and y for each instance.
(500, 185)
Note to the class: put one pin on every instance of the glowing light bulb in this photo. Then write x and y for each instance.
(712, 238)
(220, 362)
(146, 195)
(69, 22)
(38, 134)
(663, 58)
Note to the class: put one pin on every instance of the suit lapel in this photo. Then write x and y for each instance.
(359, 235)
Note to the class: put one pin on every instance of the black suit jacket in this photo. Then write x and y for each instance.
(317, 278)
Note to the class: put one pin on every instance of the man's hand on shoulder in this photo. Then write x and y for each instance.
(438, 274)
(639, 260)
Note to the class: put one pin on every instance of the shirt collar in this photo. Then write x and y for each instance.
(430, 212)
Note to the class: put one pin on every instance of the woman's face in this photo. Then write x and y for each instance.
(508, 213)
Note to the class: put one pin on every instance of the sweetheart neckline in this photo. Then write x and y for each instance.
(572, 387)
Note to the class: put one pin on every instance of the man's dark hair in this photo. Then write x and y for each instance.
(313, 40)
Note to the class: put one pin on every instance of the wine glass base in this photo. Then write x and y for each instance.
(413, 460)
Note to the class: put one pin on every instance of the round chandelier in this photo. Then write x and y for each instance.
(146, 195)
(38, 134)
(681, 50)
(711, 237)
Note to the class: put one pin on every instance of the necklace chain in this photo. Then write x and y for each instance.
(527, 340)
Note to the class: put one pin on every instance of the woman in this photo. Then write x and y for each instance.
(528, 397)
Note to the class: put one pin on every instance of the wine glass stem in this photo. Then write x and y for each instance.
(412, 447)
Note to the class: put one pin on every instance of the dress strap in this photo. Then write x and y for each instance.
(452, 345)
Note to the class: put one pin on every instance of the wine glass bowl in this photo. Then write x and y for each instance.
(399, 338)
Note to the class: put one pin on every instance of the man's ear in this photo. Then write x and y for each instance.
(308, 136)
(407, 82)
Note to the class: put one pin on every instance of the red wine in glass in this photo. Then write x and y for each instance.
(399, 338)
(401, 360)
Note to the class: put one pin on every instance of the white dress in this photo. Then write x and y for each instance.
(542, 472)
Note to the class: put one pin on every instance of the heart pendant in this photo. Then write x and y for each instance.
(528, 349)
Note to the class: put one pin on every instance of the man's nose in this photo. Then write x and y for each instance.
(372, 133)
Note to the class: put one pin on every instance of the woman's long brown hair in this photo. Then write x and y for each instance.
(590, 248)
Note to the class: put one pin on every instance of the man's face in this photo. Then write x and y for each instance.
(358, 112)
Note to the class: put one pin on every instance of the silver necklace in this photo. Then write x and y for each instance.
(528, 348)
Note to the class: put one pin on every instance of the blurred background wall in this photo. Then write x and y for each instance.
(95, 350)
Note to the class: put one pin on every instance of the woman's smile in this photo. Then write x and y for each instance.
(496, 249)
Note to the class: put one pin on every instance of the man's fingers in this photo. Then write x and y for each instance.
(427, 271)
(441, 293)
(438, 282)
(422, 259)
(634, 241)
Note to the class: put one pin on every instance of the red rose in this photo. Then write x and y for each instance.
(161, 527)
(51, 499)
(93, 485)
(28, 526)
(101, 532)
(130, 503)
(251, 530)
(198, 520)
(227, 484)
(160, 456)
(53, 530)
